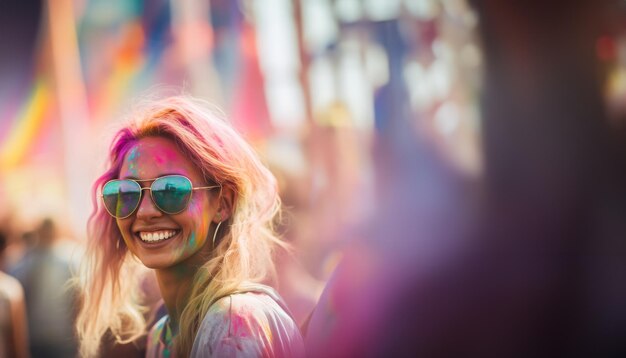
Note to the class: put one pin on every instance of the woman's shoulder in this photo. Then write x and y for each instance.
(250, 307)
(253, 321)
(250, 300)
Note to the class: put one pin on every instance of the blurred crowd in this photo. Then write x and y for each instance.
(38, 302)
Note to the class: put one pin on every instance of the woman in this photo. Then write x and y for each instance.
(186, 196)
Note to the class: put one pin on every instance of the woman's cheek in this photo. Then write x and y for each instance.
(124, 229)
(199, 215)
(126, 233)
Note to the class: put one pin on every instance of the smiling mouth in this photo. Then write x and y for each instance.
(156, 236)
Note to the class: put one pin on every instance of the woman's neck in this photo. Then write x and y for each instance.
(175, 284)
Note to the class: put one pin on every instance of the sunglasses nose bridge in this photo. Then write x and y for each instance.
(151, 209)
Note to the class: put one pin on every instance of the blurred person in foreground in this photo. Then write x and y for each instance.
(529, 261)
(187, 197)
(13, 325)
(44, 271)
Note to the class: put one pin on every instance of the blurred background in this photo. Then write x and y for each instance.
(403, 133)
(310, 83)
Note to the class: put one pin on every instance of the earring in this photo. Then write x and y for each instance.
(215, 232)
(117, 244)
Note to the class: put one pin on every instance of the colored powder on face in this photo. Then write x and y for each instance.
(198, 211)
(133, 155)
(204, 225)
(132, 169)
(166, 155)
(192, 240)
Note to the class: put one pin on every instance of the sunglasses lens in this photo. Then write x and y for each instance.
(121, 197)
(171, 193)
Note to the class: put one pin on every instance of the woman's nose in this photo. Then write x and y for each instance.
(147, 209)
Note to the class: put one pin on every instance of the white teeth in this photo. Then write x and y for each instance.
(156, 236)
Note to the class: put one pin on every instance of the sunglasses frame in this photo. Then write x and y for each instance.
(138, 181)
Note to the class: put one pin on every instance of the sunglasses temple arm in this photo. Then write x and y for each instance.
(208, 187)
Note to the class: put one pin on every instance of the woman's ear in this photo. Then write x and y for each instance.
(225, 205)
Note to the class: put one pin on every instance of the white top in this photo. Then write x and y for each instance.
(253, 322)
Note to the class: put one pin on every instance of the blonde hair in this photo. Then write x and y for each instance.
(109, 276)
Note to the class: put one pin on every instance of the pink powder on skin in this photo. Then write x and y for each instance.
(166, 155)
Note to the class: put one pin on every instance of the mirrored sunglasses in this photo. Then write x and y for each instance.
(170, 194)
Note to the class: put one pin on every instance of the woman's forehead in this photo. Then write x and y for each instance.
(155, 148)
(156, 156)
